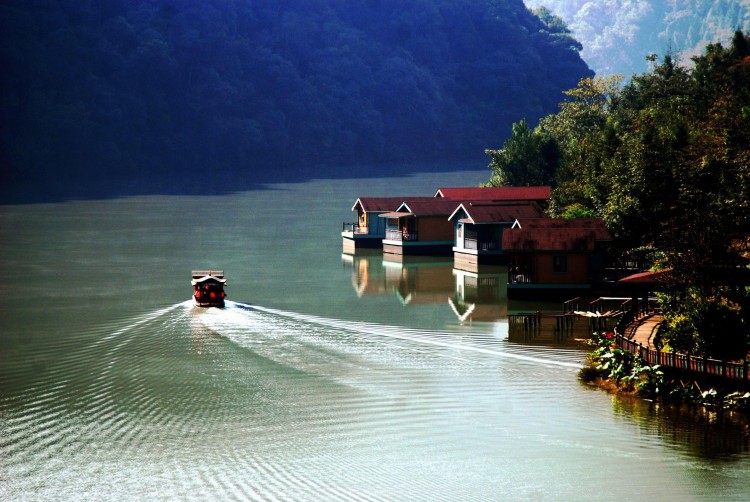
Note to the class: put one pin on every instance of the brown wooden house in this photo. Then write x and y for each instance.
(420, 226)
(479, 228)
(368, 231)
(552, 252)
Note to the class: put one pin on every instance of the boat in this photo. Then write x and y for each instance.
(208, 288)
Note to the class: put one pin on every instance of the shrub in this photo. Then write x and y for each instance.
(679, 332)
(648, 380)
(589, 374)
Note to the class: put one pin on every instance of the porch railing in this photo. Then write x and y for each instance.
(400, 235)
(520, 278)
(354, 228)
(480, 245)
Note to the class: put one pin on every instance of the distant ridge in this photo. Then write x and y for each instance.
(193, 91)
(617, 36)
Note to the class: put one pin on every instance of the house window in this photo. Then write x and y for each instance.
(560, 264)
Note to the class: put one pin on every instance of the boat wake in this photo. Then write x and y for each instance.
(251, 324)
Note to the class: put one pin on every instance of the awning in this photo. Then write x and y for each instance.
(652, 277)
(395, 215)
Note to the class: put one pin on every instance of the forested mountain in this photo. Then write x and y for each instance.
(617, 35)
(101, 90)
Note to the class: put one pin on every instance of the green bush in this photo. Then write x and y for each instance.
(679, 332)
(590, 374)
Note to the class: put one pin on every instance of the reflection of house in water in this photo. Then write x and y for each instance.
(368, 276)
(472, 297)
(419, 279)
(425, 280)
(480, 297)
(412, 279)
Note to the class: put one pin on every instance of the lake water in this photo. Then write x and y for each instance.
(327, 377)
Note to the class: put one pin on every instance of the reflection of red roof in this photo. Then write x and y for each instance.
(503, 212)
(550, 234)
(537, 193)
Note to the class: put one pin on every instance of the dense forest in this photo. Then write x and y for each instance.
(617, 36)
(665, 160)
(101, 92)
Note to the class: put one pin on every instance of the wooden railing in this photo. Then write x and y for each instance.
(714, 367)
(480, 245)
(530, 324)
(400, 235)
(354, 228)
(685, 362)
(520, 278)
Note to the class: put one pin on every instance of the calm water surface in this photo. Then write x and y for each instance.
(327, 377)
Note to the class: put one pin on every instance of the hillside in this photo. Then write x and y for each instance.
(618, 35)
(120, 93)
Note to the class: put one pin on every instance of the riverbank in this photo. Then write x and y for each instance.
(620, 371)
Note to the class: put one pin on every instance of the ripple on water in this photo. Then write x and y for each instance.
(261, 404)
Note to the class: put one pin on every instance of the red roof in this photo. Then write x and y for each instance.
(550, 234)
(601, 233)
(537, 193)
(484, 212)
(381, 204)
(650, 277)
(421, 206)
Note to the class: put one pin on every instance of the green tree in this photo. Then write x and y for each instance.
(584, 134)
(528, 157)
(665, 160)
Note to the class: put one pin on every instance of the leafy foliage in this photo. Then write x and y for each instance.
(714, 326)
(665, 160)
(528, 157)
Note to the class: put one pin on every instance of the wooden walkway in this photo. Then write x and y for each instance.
(642, 330)
(637, 337)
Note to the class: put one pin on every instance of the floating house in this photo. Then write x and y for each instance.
(368, 231)
(484, 229)
(479, 228)
(419, 226)
(555, 253)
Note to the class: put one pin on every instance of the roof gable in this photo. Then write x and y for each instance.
(483, 212)
(380, 204)
(428, 206)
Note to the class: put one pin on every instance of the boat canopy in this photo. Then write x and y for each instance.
(201, 276)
